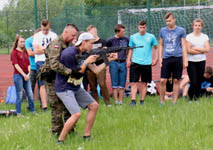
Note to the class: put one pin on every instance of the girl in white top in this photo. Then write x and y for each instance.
(197, 46)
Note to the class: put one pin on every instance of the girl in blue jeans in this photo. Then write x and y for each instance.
(21, 76)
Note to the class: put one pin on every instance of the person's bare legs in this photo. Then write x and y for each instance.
(162, 89)
(143, 90)
(115, 94)
(176, 89)
(134, 89)
(69, 125)
(185, 89)
(43, 95)
(184, 85)
(121, 94)
(90, 118)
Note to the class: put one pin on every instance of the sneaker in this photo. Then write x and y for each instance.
(34, 113)
(190, 102)
(44, 109)
(60, 142)
(19, 115)
(141, 102)
(121, 102)
(109, 105)
(116, 102)
(132, 103)
(88, 138)
(161, 103)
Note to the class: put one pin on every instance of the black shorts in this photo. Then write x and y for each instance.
(138, 71)
(172, 66)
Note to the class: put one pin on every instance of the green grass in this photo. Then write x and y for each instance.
(183, 126)
(4, 51)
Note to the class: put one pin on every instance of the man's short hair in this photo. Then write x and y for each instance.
(208, 70)
(72, 25)
(90, 27)
(142, 23)
(45, 22)
(198, 20)
(118, 28)
(168, 14)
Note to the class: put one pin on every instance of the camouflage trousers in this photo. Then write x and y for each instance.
(59, 113)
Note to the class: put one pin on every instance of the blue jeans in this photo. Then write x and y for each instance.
(20, 83)
(118, 73)
(39, 64)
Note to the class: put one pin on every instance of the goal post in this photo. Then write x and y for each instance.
(184, 16)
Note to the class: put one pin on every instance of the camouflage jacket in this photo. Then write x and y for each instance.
(53, 52)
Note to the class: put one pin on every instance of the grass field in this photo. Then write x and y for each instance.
(4, 51)
(184, 126)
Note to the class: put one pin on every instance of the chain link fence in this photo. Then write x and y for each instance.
(104, 18)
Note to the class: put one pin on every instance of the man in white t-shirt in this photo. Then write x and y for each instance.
(40, 41)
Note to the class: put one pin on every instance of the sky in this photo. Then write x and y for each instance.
(2, 3)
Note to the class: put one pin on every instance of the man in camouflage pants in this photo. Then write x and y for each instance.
(52, 63)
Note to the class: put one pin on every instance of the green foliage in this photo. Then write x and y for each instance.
(183, 126)
(18, 15)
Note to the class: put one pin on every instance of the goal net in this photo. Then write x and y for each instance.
(184, 16)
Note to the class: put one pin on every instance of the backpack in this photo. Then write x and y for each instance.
(11, 95)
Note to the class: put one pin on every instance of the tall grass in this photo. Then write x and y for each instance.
(184, 126)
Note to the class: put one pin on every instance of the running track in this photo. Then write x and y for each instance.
(6, 73)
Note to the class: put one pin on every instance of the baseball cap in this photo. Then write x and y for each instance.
(83, 37)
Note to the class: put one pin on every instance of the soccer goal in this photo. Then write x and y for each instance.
(184, 16)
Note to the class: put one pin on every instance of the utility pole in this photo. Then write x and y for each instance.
(47, 9)
(148, 15)
(35, 15)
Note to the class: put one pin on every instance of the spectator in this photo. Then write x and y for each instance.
(172, 49)
(117, 68)
(21, 74)
(141, 61)
(33, 72)
(40, 42)
(207, 83)
(95, 79)
(197, 46)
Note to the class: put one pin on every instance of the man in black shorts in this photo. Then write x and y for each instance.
(172, 49)
(141, 61)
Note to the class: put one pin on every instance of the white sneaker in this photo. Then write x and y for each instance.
(116, 102)
(109, 105)
(121, 102)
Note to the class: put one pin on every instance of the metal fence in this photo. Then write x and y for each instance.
(105, 18)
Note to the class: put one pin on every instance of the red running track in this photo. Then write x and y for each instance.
(6, 73)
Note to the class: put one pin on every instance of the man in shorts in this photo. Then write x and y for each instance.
(141, 61)
(172, 54)
(117, 68)
(68, 88)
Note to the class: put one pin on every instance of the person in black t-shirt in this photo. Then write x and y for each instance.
(95, 79)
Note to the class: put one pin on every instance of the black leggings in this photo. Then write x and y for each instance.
(195, 71)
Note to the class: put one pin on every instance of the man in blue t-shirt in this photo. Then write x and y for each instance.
(141, 60)
(117, 68)
(33, 72)
(68, 88)
(172, 49)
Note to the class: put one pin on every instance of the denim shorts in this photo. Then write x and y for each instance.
(39, 64)
(118, 73)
